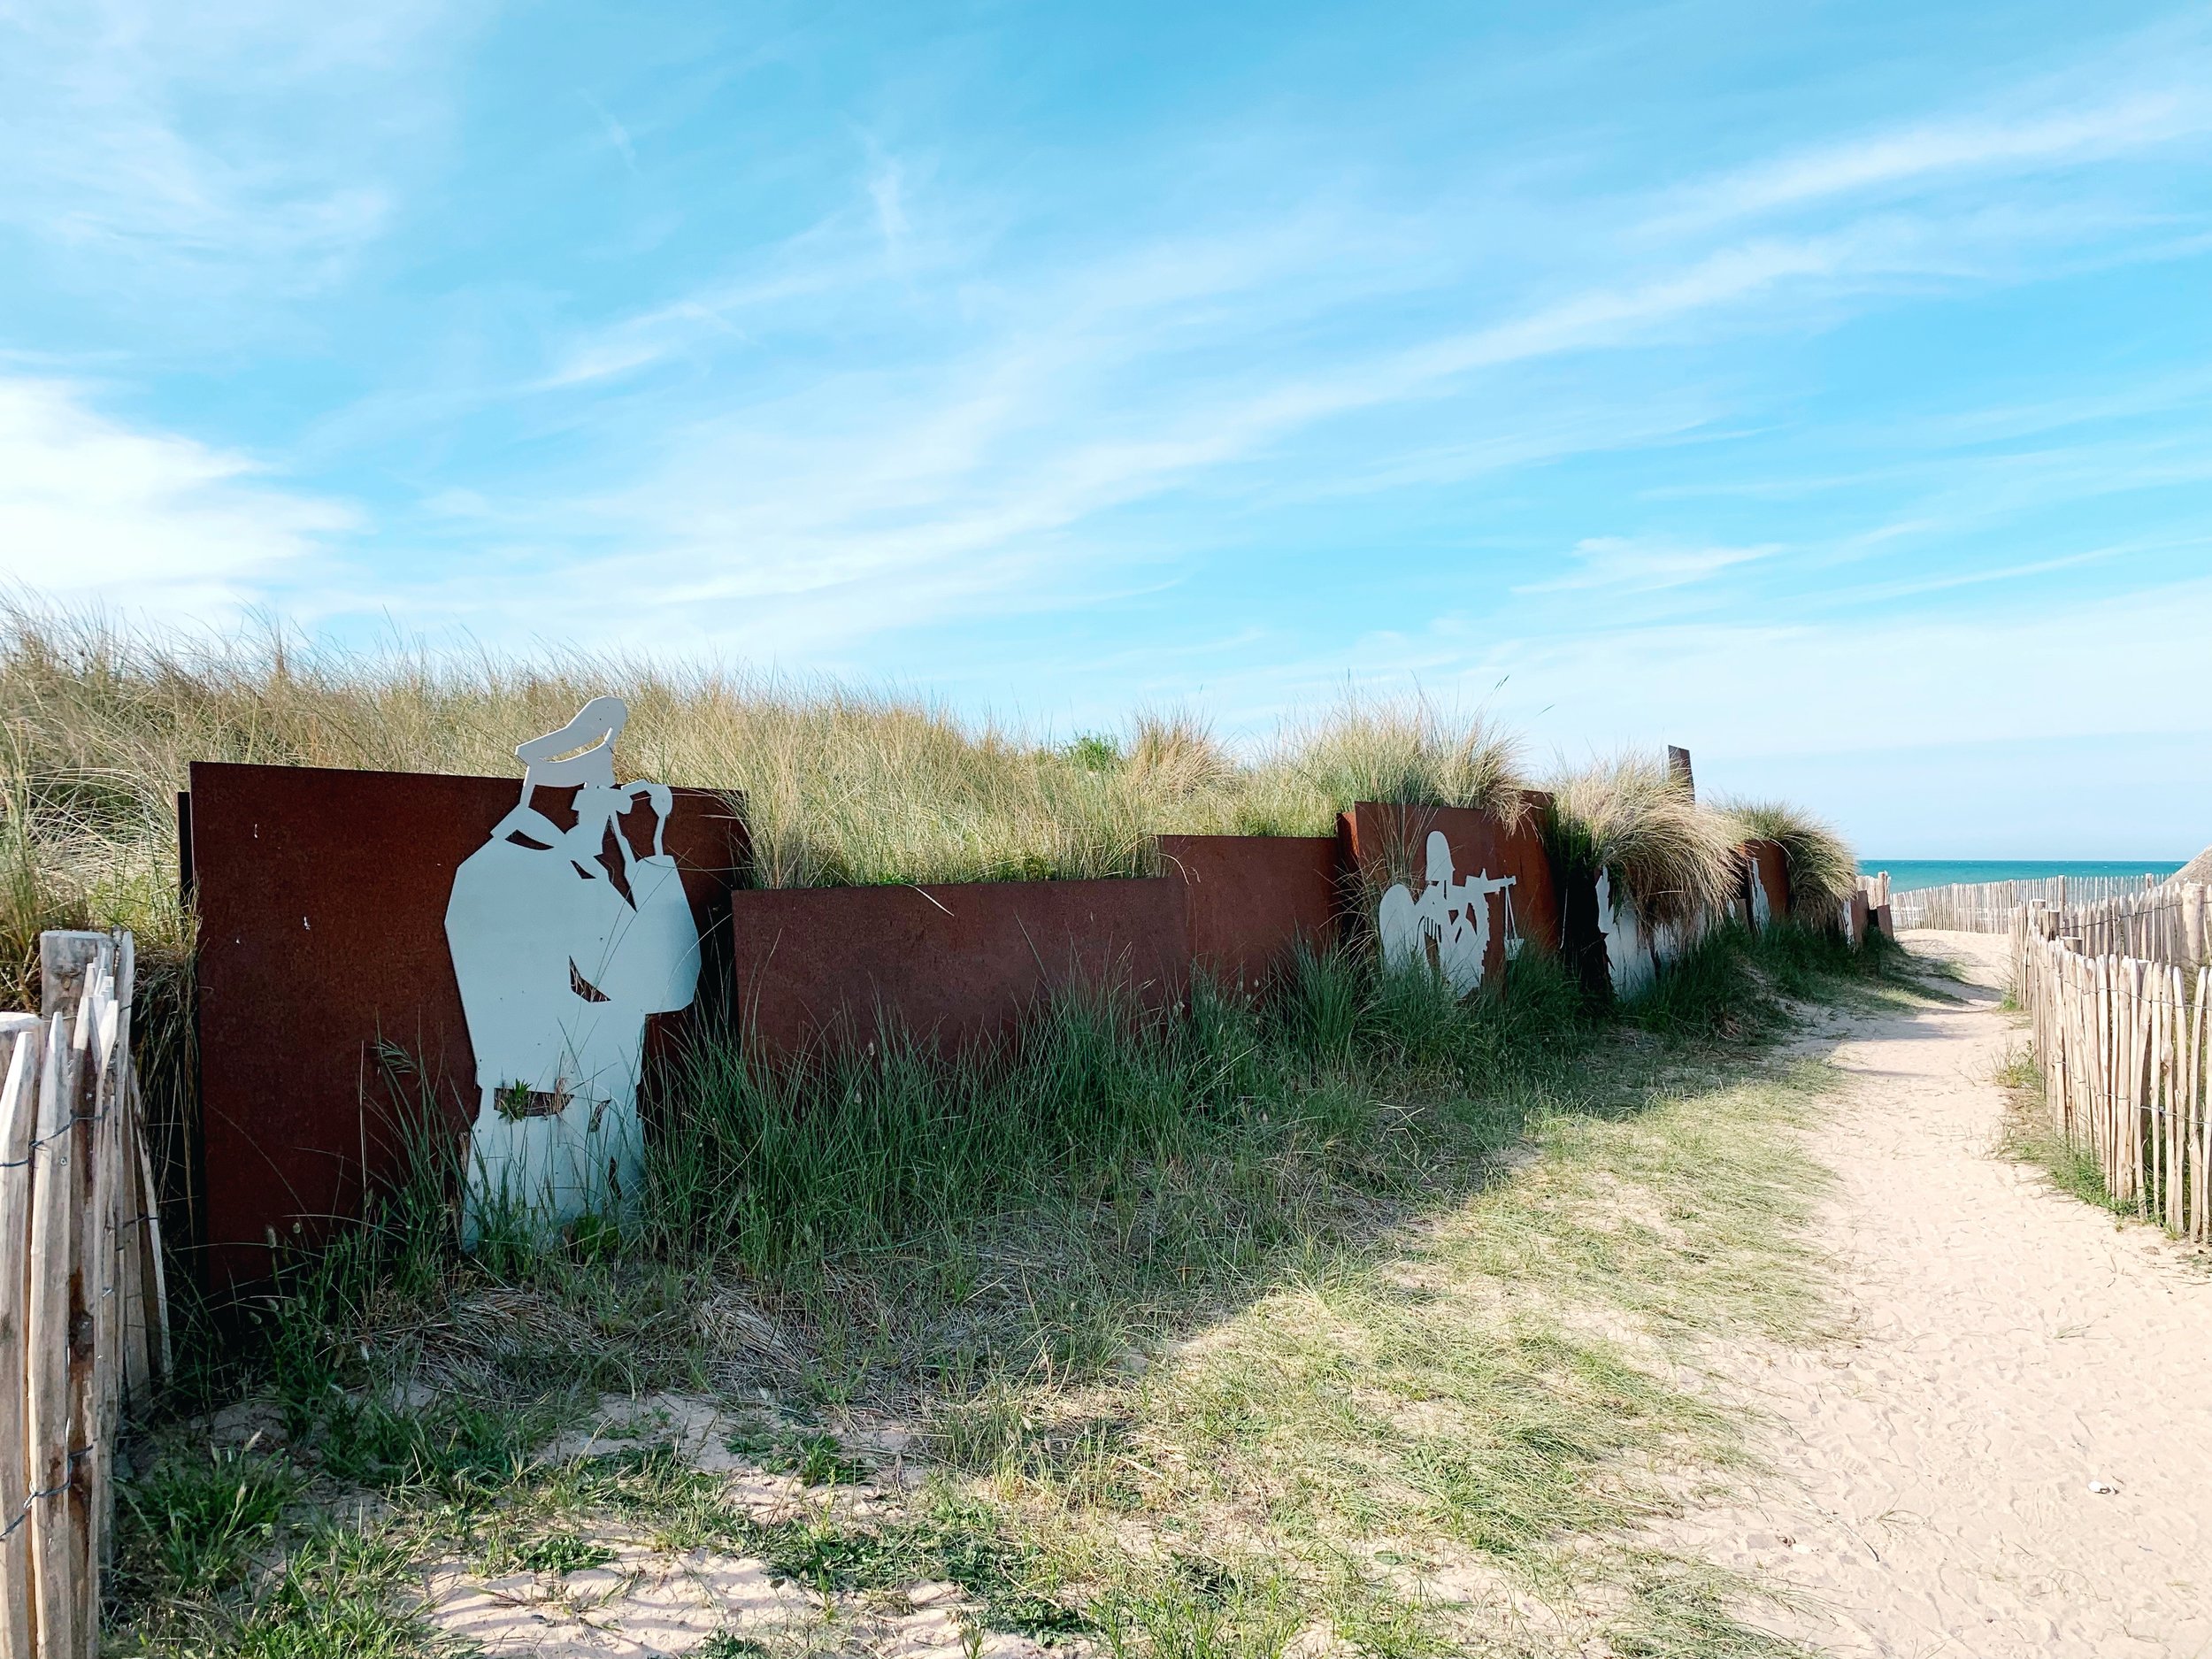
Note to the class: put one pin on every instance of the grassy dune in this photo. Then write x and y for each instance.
(1346, 1316)
(842, 786)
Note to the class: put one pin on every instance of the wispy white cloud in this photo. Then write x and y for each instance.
(2141, 93)
(803, 520)
(238, 142)
(1939, 150)
(1770, 684)
(993, 456)
(92, 506)
(1636, 565)
(617, 136)
(887, 188)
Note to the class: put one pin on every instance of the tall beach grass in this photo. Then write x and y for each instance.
(843, 785)
(1632, 818)
(1824, 871)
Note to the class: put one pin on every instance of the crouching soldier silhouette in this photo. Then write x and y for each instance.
(1448, 928)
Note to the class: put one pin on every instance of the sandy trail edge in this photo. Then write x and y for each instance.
(2003, 1347)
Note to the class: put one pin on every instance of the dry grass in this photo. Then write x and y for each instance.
(1823, 869)
(843, 785)
(1630, 818)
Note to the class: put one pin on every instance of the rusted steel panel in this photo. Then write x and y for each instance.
(1761, 871)
(950, 963)
(1252, 899)
(1769, 867)
(321, 898)
(1385, 842)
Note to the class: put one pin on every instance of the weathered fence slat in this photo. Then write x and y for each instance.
(83, 1311)
(46, 1338)
(1987, 907)
(18, 1112)
(2124, 1045)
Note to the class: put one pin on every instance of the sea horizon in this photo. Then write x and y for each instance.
(1910, 875)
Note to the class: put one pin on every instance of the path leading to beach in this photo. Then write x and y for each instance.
(2008, 1449)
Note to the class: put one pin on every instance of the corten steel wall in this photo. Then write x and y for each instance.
(1774, 875)
(1763, 863)
(950, 965)
(321, 897)
(1383, 844)
(1252, 900)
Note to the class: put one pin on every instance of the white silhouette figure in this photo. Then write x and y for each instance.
(1761, 907)
(564, 941)
(1631, 958)
(1449, 926)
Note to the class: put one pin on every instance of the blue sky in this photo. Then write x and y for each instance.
(1825, 387)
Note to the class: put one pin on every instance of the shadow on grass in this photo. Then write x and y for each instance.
(990, 1246)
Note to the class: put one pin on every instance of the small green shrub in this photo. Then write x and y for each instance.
(453, 1448)
(955, 1541)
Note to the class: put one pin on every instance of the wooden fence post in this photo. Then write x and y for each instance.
(19, 1113)
(72, 1249)
(54, 1573)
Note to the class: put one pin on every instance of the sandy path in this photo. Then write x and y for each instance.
(2005, 1346)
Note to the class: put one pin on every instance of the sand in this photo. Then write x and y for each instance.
(2009, 1449)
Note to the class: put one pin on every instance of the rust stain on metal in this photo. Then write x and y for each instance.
(1769, 868)
(952, 963)
(1251, 900)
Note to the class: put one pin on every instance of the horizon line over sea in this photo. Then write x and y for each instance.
(1910, 875)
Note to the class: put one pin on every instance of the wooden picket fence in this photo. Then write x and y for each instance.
(84, 1325)
(2121, 1042)
(2163, 924)
(1986, 907)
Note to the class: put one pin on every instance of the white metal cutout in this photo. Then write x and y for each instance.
(564, 941)
(1447, 928)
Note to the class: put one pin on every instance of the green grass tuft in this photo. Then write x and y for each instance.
(557, 1553)
(196, 1524)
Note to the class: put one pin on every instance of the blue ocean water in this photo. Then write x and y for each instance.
(1908, 874)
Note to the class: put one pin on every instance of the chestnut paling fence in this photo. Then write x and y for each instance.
(2121, 1042)
(2163, 924)
(1986, 907)
(84, 1305)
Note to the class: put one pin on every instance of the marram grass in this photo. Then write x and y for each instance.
(842, 786)
(1823, 869)
(1629, 817)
